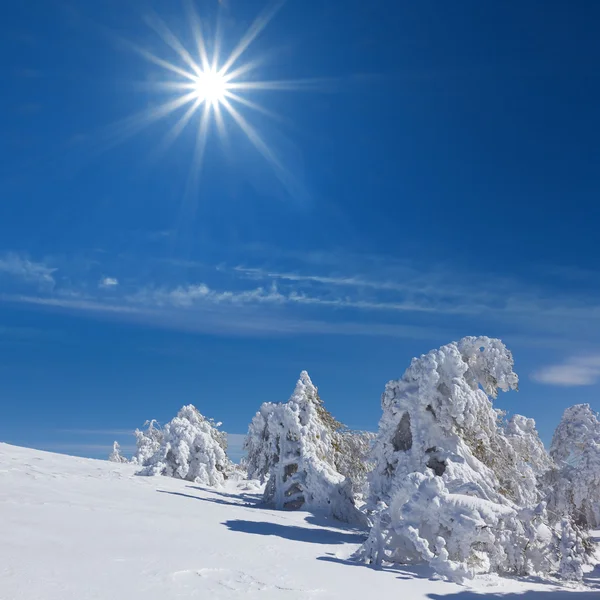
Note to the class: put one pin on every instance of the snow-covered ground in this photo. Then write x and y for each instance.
(80, 529)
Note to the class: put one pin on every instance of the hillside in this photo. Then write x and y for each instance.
(82, 529)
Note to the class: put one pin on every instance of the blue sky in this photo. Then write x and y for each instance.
(432, 173)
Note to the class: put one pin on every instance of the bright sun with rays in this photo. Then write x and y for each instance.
(210, 86)
(202, 84)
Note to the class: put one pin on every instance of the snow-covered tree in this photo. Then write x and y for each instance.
(575, 483)
(572, 551)
(147, 442)
(454, 485)
(115, 455)
(352, 457)
(440, 416)
(190, 447)
(527, 459)
(293, 446)
(260, 444)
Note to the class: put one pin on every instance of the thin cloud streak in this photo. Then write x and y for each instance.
(221, 320)
(289, 302)
(576, 371)
(24, 269)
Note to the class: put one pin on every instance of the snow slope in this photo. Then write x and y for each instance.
(81, 529)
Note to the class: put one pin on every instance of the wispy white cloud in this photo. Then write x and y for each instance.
(350, 281)
(332, 295)
(107, 282)
(24, 269)
(576, 371)
(237, 319)
(83, 304)
(194, 295)
(190, 295)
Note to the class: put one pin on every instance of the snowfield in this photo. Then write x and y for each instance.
(81, 529)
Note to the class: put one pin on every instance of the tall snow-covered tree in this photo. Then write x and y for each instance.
(190, 447)
(440, 416)
(293, 446)
(454, 485)
(575, 483)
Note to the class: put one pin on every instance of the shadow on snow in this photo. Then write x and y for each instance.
(556, 594)
(404, 572)
(321, 533)
(247, 500)
(313, 535)
(344, 534)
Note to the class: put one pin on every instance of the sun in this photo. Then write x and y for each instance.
(206, 89)
(210, 86)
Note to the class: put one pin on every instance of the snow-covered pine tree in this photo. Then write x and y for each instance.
(439, 416)
(575, 483)
(147, 442)
(294, 445)
(453, 484)
(260, 444)
(572, 551)
(115, 455)
(527, 459)
(191, 447)
(353, 457)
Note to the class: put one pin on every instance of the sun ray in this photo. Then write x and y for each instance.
(253, 105)
(215, 91)
(241, 70)
(217, 48)
(181, 124)
(135, 123)
(164, 86)
(162, 63)
(220, 121)
(254, 137)
(156, 23)
(280, 84)
(199, 148)
(198, 36)
(254, 30)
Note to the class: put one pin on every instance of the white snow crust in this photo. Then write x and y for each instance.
(82, 529)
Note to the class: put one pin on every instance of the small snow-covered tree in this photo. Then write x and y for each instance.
(575, 483)
(572, 551)
(292, 446)
(454, 485)
(115, 455)
(191, 447)
(260, 444)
